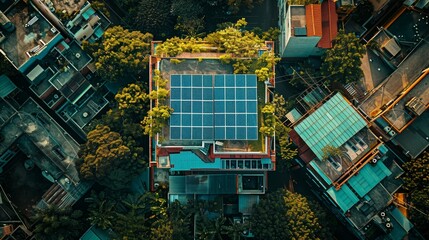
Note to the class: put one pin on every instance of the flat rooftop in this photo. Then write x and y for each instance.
(65, 7)
(41, 138)
(399, 116)
(31, 35)
(407, 72)
(208, 67)
(415, 138)
(297, 16)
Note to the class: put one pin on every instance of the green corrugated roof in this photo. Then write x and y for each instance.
(6, 86)
(332, 124)
(369, 176)
(344, 197)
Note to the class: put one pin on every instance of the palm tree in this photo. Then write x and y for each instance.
(102, 215)
(55, 223)
(235, 229)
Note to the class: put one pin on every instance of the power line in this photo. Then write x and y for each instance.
(405, 205)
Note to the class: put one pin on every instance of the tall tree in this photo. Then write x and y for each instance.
(180, 215)
(235, 5)
(106, 159)
(416, 181)
(287, 211)
(133, 99)
(342, 63)
(152, 16)
(6, 67)
(121, 53)
(101, 211)
(55, 223)
(138, 215)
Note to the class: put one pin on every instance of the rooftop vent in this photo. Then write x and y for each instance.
(416, 106)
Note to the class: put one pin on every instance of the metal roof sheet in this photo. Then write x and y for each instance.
(369, 176)
(344, 197)
(6, 86)
(332, 124)
(203, 184)
(313, 15)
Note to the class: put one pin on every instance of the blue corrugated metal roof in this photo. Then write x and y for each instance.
(344, 197)
(94, 233)
(369, 176)
(88, 13)
(332, 124)
(383, 149)
(6, 86)
(403, 226)
(99, 32)
(187, 160)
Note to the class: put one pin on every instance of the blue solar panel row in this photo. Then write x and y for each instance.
(213, 107)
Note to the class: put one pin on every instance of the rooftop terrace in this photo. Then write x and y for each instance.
(297, 16)
(206, 67)
(65, 8)
(33, 32)
(409, 70)
(45, 135)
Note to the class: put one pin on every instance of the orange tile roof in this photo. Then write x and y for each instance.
(313, 17)
(329, 24)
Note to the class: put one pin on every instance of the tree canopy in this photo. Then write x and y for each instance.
(106, 159)
(132, 216)
(342, 63)
(154, 16)
(133, 99)
(287, 211)
(121, 53)
(55, 223)
(416, 181)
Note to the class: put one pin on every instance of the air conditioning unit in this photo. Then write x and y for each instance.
(374, 160)
(382, 214)
(392, 133)
(388, 225)
(387, 129)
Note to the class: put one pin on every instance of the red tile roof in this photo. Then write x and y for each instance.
(313, 17)
(329, 24)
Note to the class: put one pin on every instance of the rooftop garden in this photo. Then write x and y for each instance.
(232, 45)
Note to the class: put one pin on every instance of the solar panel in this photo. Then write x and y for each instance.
(214, 107)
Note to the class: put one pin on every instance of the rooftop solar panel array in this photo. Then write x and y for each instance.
(214, 107)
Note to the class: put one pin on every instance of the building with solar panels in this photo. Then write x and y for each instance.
(211, 146)
(359, 182)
